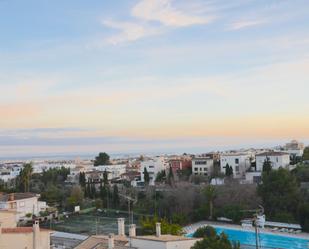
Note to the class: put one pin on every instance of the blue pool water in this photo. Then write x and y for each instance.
(266, 240)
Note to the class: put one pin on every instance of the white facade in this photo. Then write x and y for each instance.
(40, 166)
(153, 166)
(239, 162)
(252, 177)
(202, 166)
(23, 203)
(9, 172)
(114, 171)
(277, 159)
(296, 152)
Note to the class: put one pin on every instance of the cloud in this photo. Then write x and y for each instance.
(245, 24)
(129, 31)
(148, 11)
(163, 12)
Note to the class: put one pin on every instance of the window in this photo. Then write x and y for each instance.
(22, 204)
(201, 169)
(205, 169)
(205, 174)
(237, 160)
(200, 162)
(151, 167)
(195, 169)
(237, 168)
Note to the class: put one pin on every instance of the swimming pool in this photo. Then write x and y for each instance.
(267, 240)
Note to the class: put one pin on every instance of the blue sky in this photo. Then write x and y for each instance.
(80, 76)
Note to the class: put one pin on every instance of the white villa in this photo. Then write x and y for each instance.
(277, 158)
(153, 166)
(114, 171)
(240, 162)
(22, 203)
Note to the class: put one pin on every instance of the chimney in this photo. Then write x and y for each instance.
(36, 234)
(158, 229)
(121, 231)
(132, 230)
(111, 242)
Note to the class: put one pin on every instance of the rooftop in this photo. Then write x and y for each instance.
(273, 153)
(22, 230)
(164, 238)
(101, 241)
(16, 196)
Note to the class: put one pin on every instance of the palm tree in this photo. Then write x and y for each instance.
(26, 176)
(211, 194)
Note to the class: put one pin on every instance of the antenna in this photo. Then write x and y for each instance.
(134, 201)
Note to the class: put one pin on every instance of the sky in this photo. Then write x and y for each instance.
(138, 76)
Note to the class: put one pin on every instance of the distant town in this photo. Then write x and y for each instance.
(154, 201)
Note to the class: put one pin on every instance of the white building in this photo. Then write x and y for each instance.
(121, 241)
(277, 158)
(81, 166)
(12, 236)
(114, 171)
(252, 177)
(295, 148)
(40, 166)
(153, 166)
(202, 166)
(9, 172)
(240, 162)
(22, 203)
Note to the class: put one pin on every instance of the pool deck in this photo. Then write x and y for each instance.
(193, 227)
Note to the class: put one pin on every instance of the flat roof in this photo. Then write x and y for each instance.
(17, 196)
(164, 238)
(273, 153)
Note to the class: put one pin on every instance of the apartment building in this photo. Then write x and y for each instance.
(202, 166)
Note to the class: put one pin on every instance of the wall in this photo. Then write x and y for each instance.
(276, 161)
(24, 240)
(202, 166)
(8, 219)
(238, 168)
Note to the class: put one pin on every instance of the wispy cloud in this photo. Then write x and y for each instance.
(129, 31)
(163, 12)
(245, 24)
(145, 13)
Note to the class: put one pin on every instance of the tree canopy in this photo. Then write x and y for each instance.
(267, 165)
(146, 176)
(280, 194)
(102, 159)
(213, 241)
(306, 154)
(228, 170)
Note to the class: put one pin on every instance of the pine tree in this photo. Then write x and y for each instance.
(170, 178)
(89, 189)
(146, 176)
(115, 196)
(93, 190)
(267, 165)
(228, 170)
